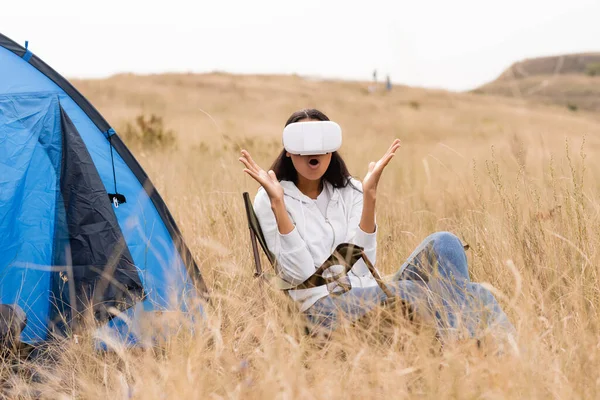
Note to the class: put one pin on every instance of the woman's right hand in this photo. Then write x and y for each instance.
(267, 180)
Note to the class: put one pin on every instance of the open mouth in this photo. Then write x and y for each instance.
(313, 162)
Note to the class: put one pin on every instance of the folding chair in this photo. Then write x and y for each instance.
(345, 254)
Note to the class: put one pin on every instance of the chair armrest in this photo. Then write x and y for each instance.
(345, 254)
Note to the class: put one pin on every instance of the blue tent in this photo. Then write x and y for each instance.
(82, 228)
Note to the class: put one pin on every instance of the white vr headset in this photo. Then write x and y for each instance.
(312, 137)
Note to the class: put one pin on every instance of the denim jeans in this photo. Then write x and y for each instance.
(435, 283)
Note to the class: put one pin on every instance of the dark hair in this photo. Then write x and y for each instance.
(337, 173)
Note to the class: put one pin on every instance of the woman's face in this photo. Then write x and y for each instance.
(311, 168)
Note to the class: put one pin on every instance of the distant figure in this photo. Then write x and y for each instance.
(388, 83)
(372, 88)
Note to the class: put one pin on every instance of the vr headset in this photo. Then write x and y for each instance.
(312, 137)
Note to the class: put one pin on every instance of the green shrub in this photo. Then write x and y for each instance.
(572, 107)
(593, 69)
(149, 132)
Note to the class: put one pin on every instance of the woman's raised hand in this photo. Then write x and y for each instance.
(371, 180)
(267, 180)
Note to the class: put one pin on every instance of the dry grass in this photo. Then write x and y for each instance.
(517, 183)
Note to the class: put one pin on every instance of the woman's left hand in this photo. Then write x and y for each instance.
(371, 180)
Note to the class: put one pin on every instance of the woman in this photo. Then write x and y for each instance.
(308, 204)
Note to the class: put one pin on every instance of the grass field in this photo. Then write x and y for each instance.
(517, 181)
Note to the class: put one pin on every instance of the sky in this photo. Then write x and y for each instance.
(454, 45)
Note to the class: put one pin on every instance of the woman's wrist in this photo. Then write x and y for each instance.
(277, 203)
(370, 195)
(367, 220)
(284, 223)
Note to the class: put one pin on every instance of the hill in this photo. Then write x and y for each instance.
(571, 81)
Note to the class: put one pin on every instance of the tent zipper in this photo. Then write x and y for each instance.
(115, 197)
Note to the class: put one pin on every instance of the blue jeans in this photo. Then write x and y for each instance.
(435, 283)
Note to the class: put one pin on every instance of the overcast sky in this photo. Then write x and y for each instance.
(456, 44)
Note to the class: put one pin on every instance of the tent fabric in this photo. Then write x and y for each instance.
(102, 266)
(29, 136)
(63, 245)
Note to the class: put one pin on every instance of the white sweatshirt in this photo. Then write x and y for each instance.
(304, 249)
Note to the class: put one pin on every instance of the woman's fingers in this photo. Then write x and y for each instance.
(392, 149)
(388, 159)
(253, 174)
(244, 161)
(250, 160)
(395, 146)
(381, 164)
(260, 177)
(247, 160)
(376, 169)
(390, 153)
(272, 175)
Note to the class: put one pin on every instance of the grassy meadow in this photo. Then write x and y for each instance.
(517, 181)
